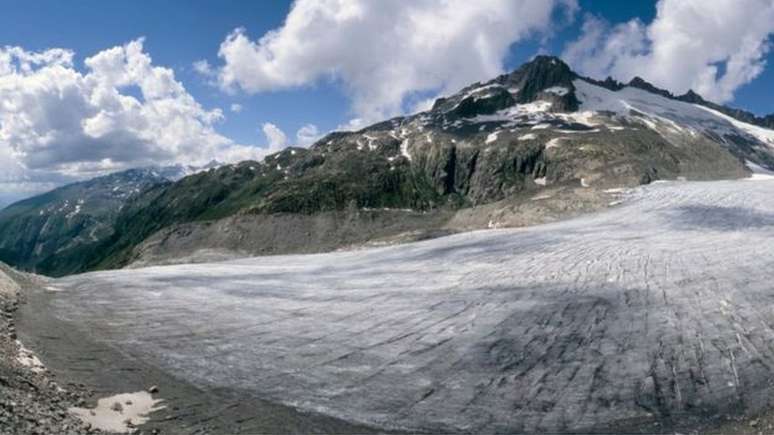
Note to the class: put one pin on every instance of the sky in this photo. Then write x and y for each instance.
(89, 87)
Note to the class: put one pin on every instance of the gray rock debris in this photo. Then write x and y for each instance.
(30, 402)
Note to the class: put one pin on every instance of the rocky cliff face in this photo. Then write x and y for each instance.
(539, 129)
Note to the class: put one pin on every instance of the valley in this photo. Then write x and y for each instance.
(538, 144)
(539, 252)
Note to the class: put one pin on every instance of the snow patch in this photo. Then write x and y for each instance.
(370, 143)
(563, 131)
(759, 172)
(762, 134)
(28, 359)
(554, 143)
(528, 136)
(658, 112)
(648, 123)
(404, 149)
(492, 137)
(557, 90)
(120, 413)
(581, 117)
(515, 112)
(540, 181)
(75, 211)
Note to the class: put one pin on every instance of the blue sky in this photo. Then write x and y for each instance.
(179, 33)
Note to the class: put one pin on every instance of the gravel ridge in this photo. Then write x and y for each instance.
(31, 401)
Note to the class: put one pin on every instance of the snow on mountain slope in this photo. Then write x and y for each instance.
(669, 115)
(637, 103)
(759, 172)
(764, 135)
(599, 107)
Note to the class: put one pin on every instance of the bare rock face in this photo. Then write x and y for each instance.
(544, 78)
(472, 105)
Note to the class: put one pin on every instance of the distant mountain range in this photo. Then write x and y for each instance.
(45, 232)
(528, 146)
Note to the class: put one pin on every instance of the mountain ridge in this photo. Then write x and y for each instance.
(535, 144)
(766, 121)
(37, 231)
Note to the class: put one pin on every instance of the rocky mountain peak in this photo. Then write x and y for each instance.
(543, 70)
(640, 83)
(609, 83)
(544, 78)
(692, 97)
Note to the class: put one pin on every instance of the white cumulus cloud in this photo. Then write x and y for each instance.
(383, 51)
(712, 47)
(277, 139)
(58, 123)
(307, 135)
(203, 67)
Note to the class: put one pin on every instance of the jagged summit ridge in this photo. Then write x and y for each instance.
(545, 78)
(530, 82)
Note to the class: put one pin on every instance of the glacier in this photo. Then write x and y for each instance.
(660, 308)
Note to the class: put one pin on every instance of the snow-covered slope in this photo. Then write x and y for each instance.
(599, 108)
(764, 135)
(637, 103)
(665, 114)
